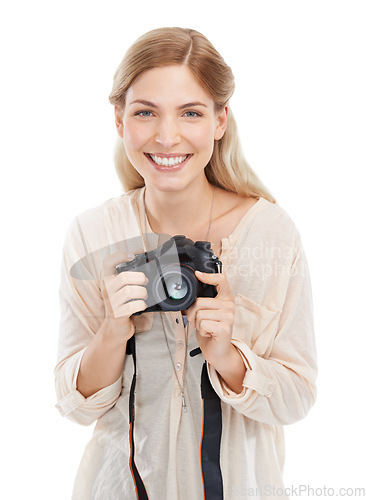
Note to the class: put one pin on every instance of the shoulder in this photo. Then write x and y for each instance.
(94, 223)
(97, 232)
(107, 208)
(276, 217)
(93, 217)
(270, 222)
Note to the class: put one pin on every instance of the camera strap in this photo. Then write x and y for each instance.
(139, 485)
(210, 439)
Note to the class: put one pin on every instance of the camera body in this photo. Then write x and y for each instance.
(170, 269)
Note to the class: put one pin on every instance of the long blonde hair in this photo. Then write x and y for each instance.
(227, 167)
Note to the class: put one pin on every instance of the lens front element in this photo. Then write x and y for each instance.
(176, 288)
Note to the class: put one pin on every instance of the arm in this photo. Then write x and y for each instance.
(94, 329)
(232, 370)
(82, 314)
(103, 360)
(278, 350)
(89, 403)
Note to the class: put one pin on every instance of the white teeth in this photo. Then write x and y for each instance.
(171, 162)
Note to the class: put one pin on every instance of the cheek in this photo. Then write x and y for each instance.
(134, 135)
(203, 138)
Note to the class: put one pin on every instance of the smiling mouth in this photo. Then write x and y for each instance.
(167, 162)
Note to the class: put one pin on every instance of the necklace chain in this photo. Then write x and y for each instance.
(171, 359)
(209, 222)
(212, 204)
(162, 319)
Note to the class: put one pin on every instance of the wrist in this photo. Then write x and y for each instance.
(225, 360)
(113, 332)
(232, 370)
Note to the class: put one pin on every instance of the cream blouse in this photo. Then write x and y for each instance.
(266, 268)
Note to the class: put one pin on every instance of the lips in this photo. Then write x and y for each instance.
(168, 162)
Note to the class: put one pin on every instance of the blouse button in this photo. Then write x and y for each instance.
(180, 344)
(178, 366)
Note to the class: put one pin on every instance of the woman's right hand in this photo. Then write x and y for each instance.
(118, 290)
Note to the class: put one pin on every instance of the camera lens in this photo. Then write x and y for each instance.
(176, 288)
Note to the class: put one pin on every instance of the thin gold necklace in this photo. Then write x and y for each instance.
(185, 331)
(209, 223)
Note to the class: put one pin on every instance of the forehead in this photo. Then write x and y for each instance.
(167, 84)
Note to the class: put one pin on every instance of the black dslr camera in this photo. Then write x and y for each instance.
(170, 269)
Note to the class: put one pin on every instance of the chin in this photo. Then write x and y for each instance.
(168, 186)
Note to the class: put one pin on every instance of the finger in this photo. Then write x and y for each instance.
(224, 317)
(208, 303)
(217, 279)
(115, 299)
(129, 278)
(200, 303)
(216, 329)
(114, 284)
(111, 261)
(211, 278)
(130, 292)
(213, 314)
(209, 328)
(129, 308)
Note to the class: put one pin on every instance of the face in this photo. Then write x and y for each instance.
(169, 125)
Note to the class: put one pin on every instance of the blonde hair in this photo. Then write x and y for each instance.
(227, 167)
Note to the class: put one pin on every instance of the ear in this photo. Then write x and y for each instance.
(118, 116)
(221, 123)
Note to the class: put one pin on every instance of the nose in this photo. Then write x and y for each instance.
(167, 133)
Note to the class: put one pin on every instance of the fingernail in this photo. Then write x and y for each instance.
(199, 273)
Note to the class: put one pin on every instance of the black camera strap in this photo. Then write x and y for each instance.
(210, 441)
(141, 493)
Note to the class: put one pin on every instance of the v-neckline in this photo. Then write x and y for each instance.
(225, 243)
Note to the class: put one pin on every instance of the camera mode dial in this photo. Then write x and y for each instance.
(204, 245)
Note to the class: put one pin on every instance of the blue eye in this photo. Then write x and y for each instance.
(192, 114)
(143, 113)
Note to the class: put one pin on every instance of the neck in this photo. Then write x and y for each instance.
(180, 212)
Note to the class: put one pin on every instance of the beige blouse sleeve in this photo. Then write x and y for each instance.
(82, 312)
(279, 384)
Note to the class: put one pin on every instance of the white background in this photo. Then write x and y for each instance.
(300, 106)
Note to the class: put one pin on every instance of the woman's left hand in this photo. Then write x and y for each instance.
(213, 319)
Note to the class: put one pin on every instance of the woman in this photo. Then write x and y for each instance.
(172, 425)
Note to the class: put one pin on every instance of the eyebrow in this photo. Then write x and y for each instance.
(183, 106)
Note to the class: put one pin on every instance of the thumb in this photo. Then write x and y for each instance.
(218, 280)
(210, 278)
